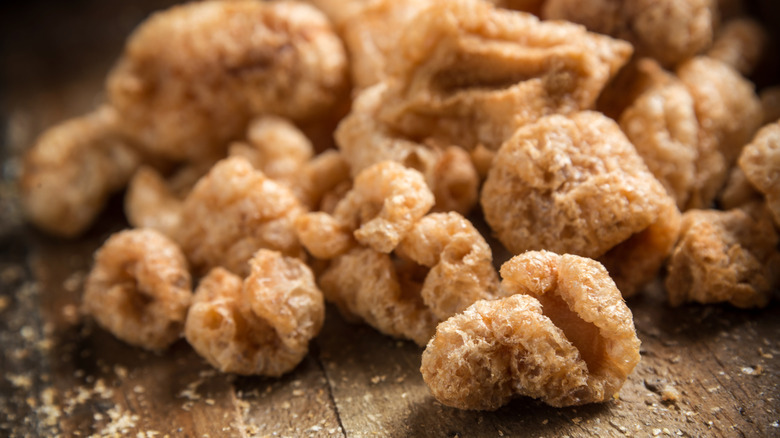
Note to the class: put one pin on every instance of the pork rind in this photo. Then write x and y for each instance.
(72, 169)
(234, 211)
(740, 43)
(760, 161)
(669, 31)
(661, 123)
(459, 81)
(565, 336)
(384, 203)
(725, 256)
(448, 170)
(192, 77)
(726, 105)
(261, 325)
(442, 266)
(139, 288)
(738, 191)
(576, 185)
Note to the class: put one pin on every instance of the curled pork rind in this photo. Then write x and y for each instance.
(740, 43)
(565, 337)
(139, 288)
(72, 169)
(725, 256)
(726, 105)
(576, 185)
(669, 31)
(384, 203)
(262, 325)
(461, 81)
(191, 77)
(365, 141)
(234, 211)
(441, 267)
(760, 161)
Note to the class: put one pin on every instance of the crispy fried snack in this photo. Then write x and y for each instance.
(760, 160)
(576, 185)
(284, 154)
(262, 325)
(72, 169)
(382, 206)
(726, 104)
(460, 81)
(738, 191)
(662, 125)
(364, 141)
(740, 43)
(234, 211)
(139, 288)
(192, 77)
(669, 31)
(725, 256)
(565, 336)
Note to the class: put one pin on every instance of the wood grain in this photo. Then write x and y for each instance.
(61, 375)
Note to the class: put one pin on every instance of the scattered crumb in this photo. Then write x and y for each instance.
(764, 355)
(377, 379)
(74, 282)
(297, 392)
(21, 381)
(209, 401)
(751, 371)
(670, 394)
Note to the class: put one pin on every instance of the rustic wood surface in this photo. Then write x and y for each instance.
(705, 371)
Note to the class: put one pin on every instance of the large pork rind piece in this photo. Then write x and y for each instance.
(261, 325)
(72, 169)
(565, 336)
(469, 74)
(669, 31)
(725, 256)
(385, 201)
(760, 161)
(192, 77)
(442, 266)
(234, 211)
(139, 288)
(576, 185)
(364, 141)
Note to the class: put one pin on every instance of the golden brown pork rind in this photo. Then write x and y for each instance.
(192, 77)
(576, 185)
(234, 211)
(725, 256)
(72, 169)
(441, 266)
(261, 325)
(364, 141)
(738, 191)
(740, 43)
(726, 105)
(139, 288)
(150, 202)
(565, 336)
(460, 81)
(760, 161)
(669, 31)
(384, 203)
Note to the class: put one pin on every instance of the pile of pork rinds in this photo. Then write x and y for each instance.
(278, 155)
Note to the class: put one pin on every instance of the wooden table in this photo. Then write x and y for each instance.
(705, 371)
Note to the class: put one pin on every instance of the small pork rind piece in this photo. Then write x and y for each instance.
(726, 105)
(576, 185)
(441, 267)
(72, 169)
(760, 161)
(384, 203)
(234, 211)
(565, 336)
(364, 141)
(740, 43)
(669, 31)
(192, 77)
(139, 288)
(460, 81)
(661, 123)
(725, 256)
(261, 325)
